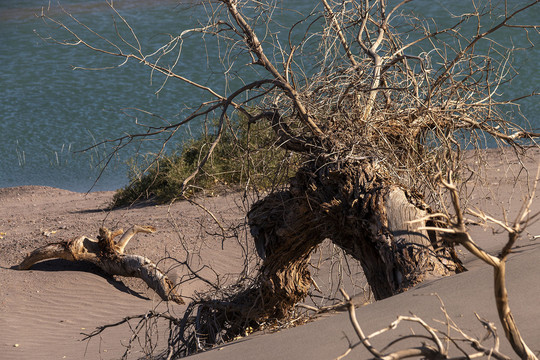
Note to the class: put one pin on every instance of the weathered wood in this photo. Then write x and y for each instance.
(109, 256)
(352, 205)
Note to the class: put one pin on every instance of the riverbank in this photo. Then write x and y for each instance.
(44, 311)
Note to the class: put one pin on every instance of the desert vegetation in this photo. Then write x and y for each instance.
(227, 169)
(368, 114)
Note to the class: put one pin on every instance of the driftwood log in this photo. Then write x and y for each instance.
(108, 255)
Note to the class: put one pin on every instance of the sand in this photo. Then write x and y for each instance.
(44, 311)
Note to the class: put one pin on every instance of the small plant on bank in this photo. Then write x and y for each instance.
(241, 159)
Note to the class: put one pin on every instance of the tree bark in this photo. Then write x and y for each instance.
(351, 204)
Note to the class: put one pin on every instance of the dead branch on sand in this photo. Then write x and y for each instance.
(436, 344)
(108, 255)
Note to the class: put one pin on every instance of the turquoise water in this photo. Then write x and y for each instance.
(51, 112)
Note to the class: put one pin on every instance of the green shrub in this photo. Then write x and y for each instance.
(246, 156)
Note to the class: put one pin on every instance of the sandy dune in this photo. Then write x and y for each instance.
(44, 311)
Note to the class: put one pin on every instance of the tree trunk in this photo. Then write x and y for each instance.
(351, 204)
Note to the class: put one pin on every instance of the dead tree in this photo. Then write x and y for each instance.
(109, 256)
(376, 116)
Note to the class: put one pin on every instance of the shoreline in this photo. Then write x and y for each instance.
(530, 152)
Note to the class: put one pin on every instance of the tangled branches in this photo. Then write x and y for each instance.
(352, 79)
(436, 344)
(378, 104)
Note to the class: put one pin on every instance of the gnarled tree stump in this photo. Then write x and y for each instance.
(374, 220)
(109, 255)
(351, 204)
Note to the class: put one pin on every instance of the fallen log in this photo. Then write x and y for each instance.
(108, 255)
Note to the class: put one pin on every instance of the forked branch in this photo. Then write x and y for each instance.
(458, 234)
